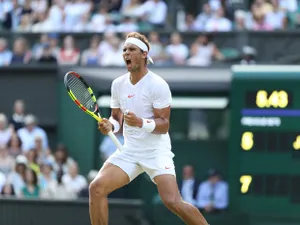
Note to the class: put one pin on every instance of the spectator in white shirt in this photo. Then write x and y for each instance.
(155, 12)
(177, 51)
(17, 177)
(128, 24)
(189, 185)
(218, 22)
(73, 181)
(28, 134)
(202, 18)
(213, 194)
(113, 57)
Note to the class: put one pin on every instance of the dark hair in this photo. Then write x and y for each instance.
(12, 190)
(35, 179)
(19, 140)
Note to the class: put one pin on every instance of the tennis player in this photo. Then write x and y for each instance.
(142, 100)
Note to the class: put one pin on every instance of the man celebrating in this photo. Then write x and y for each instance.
(142, 100)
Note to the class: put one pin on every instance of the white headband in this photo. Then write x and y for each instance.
(141, 45)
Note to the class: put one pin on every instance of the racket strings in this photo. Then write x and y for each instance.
(80, 91)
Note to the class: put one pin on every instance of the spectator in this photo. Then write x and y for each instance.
(27, 10)
(17, 118)
(218, 22)
(114, 56)
(98, 19)
(7, 162)
(212, 194)
(83, 25)
(43, 24)
(32, 161)
(31, 188)
(47, 55)
(260, 24)
(30, 132)
(25, 24)
(14, 145)
(90, 56)
(204, 51)
(47, 177)
(84, 193)
(240, 20)
(260, 8)
(127, 25)
(74, 181)
(42, 152)
(39, 6)
(38, 48)
(215, 5)
(5, 53)
(21, 54)
(2, 180)
(69, 54)
(56, 13)
(53, 41)
(17, 177)
(177, 51)
(190, 24)
(189, 185)
(132, 8)
(5, 132)
(58, 190)
(277, 19)
(155, 12)
(157, 50)
(105, 45)
(12, 18)
(7, 190)
(203, 17)
(62, 161)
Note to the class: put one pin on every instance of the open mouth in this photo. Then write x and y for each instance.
(128, 62)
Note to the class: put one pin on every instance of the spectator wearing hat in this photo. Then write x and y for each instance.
(30, 132)
(212, 194)
(17, 177)
(189, 185)
(47, 177)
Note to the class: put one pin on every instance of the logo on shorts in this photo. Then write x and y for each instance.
(148, 121)
(168, 167)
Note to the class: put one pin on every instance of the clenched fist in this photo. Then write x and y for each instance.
(132, 120)
(104, 126)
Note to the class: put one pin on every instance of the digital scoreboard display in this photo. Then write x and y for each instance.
(264, 146)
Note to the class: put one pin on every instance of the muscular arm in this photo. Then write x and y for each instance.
(162, 118)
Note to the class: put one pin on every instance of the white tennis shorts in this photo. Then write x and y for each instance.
(135, 165)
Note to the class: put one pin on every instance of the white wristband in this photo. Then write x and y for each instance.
(115, 124)
(148, 125)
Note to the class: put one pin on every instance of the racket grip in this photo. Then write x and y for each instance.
(115, 140)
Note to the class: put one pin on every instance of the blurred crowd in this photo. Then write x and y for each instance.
(109, 21)
(107, 51)
(262, 15)
(29, 168)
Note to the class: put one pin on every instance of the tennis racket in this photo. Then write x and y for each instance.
(83, 96)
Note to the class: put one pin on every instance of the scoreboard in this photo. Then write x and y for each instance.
(264, 150)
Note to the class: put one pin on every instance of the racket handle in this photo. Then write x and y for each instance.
(115, 140)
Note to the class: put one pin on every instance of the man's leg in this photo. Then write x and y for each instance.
(170, 196)
(109, 178)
